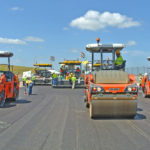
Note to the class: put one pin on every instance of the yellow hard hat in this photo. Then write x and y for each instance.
(117, 52)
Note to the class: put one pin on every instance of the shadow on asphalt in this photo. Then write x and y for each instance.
(139, 109)
(22, 101)
(12, 103)
(137, 117)
(8, 105)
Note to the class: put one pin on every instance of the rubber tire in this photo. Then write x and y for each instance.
(1, 101)
(87, 105)
(17, 95)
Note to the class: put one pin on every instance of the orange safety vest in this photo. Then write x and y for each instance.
(78, 70)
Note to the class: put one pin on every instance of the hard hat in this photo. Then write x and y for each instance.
(117, 52)
(145, 74)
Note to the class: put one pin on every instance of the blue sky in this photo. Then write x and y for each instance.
(38, 29)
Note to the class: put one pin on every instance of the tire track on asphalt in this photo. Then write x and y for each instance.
(138, 130)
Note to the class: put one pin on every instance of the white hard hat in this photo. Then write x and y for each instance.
(145, 74)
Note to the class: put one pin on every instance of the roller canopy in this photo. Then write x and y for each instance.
(105, 47)
(43, 65)
(148, 58)
(6, 54)
(71, 62)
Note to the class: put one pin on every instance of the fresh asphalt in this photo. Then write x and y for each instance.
(56, 119)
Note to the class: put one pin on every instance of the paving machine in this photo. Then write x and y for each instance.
(146, 83)
(69, 67)
(110, 91)
(9, 83)
(42, 75)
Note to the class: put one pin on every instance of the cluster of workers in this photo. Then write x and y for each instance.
(71, 76)
(28, 84)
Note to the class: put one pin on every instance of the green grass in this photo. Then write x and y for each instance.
(17, 69)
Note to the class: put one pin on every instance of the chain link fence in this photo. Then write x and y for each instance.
(138, 70)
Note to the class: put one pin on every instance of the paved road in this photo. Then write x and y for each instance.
(56, 119)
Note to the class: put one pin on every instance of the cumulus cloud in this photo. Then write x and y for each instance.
(33, 39)
(11, 41)
(131, 43)
(94, 20)
(16, 8)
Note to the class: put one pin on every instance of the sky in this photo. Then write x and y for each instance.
(34, 30)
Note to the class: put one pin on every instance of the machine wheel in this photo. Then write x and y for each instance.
(86, 101)
(17, 95)
(2, 102)
(87, 105)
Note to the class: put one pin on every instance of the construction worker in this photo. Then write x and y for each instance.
(77, 72)
(54, 76)
(33, 79)
(140, 81)
(2, 94)
(24, 80)
(29, 84)
(70, 76)
(67, 76)
(61, 71)
(73, 79)
(119, 59)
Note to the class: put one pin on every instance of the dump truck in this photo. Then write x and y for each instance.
(146, 83)
(69, 67)
(42, 75)
(110, 91)
(9, 86)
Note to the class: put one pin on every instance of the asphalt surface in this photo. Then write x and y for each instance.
(56, 119)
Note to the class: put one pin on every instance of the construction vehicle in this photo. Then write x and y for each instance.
(42, 75)
(10, 85)
(69, 67)
(110, 92)
(146, 83)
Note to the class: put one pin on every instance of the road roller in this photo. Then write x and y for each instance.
(9, 82)
(110, 91)
(146, 83)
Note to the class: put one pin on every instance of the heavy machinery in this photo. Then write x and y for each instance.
(146, 83)
(70, 67)
(42, 76)
(10, 85)
(110, 92)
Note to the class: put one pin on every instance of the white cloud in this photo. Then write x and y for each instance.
(134, 53)
(74, 50)
(131, 43)
(94, 20)
(11, 41)
(65, 28)
(16, 8)
(33, 39)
